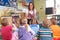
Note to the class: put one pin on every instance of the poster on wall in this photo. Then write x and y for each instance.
(9, 3)
(23, 3)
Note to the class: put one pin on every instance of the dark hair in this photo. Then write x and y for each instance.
(4, 22)
(29, 6)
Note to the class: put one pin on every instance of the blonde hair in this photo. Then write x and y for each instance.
(21, 19)
(45, 22)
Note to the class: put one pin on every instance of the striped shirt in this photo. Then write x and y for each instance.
(45, 32)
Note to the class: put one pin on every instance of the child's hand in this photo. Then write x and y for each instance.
(31, 33)
(13, 29)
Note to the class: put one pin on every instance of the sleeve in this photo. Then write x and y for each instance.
(15, 36)
(9, 32)
(20, 34)
(9, 28)
(30, 30)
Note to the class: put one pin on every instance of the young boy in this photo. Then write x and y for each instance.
(45, 31)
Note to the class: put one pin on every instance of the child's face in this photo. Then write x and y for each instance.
(24, 21)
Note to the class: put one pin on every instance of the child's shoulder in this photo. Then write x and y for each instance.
(9, 27)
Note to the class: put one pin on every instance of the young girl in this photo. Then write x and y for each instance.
(6, 30)
(15, 29)
(35, 27)
(55, 29)
(25, 32)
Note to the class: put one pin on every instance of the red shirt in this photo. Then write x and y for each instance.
(6, 32)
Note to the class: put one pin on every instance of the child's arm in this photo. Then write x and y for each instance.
(14, 27)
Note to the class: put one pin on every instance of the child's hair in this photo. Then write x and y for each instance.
(45, 23)
(23, 15)
(53, 21)
(36, 21)
(16, 22)
(26, 25)
(4, 22)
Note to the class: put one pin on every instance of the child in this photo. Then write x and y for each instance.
(35, 27)
(15, 29)
(45, 31)
(6, 30)
(25, 32)
(55, 29)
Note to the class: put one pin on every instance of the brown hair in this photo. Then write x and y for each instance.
(34, 20)
(53, 21)
(4, 22)
(29, 6)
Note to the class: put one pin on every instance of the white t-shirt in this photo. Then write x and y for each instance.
(31, 12)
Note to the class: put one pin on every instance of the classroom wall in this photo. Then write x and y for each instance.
(40, 7)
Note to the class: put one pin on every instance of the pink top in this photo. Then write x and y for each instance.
(6, 32)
